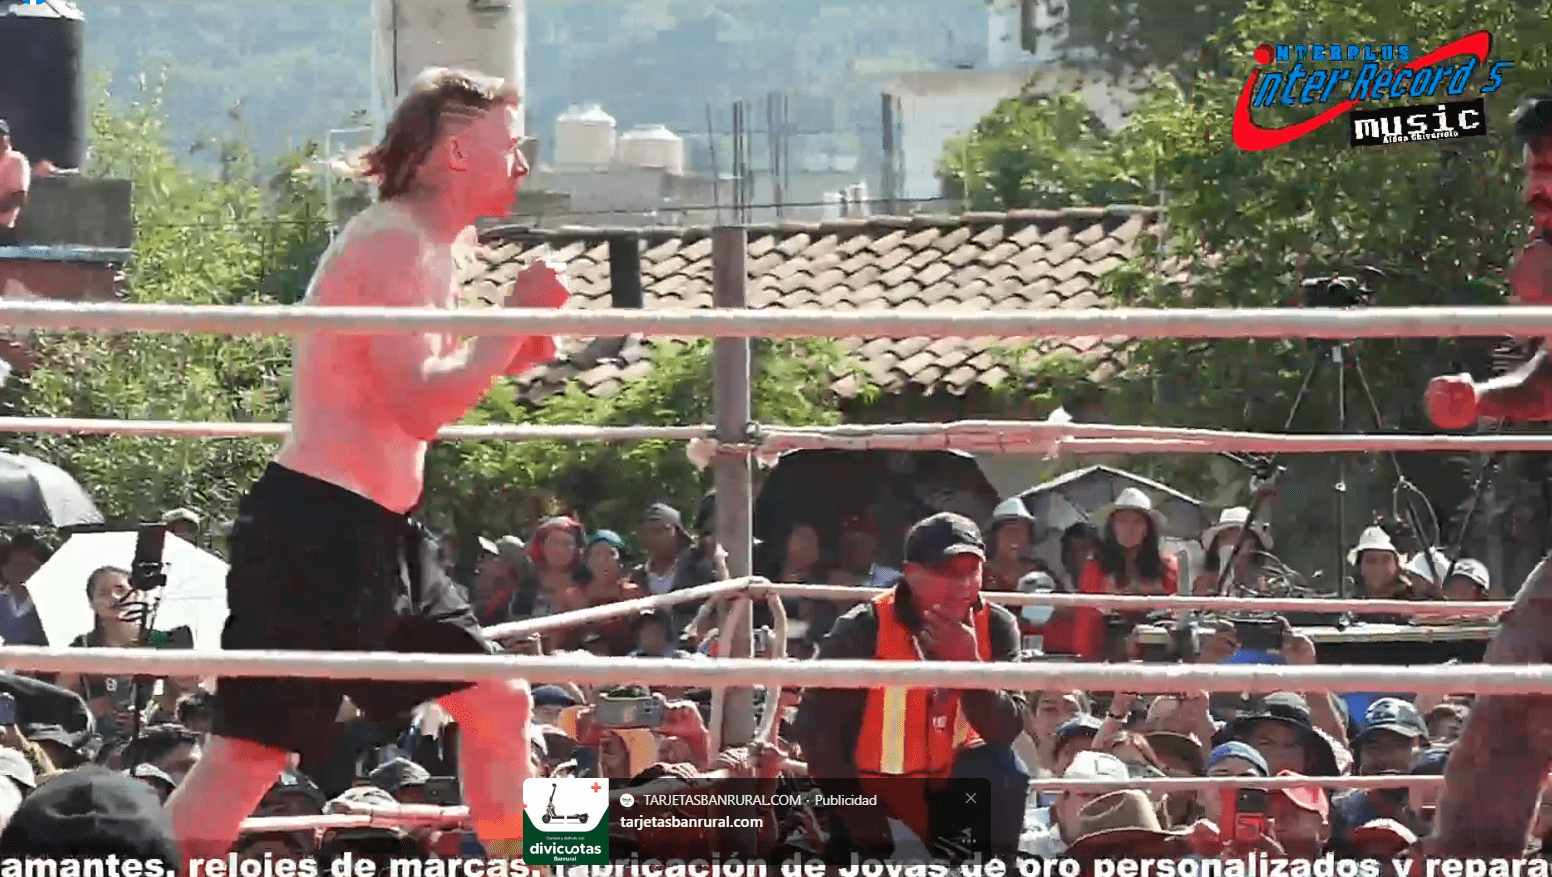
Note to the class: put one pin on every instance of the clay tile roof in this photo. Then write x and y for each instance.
(974, 261)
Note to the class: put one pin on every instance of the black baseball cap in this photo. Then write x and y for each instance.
(399, 773)
(942, 537)
(91, 812)
(1532, 120)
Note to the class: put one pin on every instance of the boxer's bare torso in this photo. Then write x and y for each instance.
(347, 428)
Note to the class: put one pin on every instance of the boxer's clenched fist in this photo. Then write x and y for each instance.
(1530, 277)
(1451, 401)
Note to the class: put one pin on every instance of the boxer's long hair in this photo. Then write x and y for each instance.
(439, 101)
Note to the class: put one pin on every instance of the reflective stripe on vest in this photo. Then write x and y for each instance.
(898, 736)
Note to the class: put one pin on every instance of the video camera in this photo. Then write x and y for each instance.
(1119, 627)
(1335, 292)
(1259, 632)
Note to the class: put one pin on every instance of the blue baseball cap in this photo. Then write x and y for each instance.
(1242, 751)
(1394, 715)
(1430, 762)
(552, 695)
(1078, 726)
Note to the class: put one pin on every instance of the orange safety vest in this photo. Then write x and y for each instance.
(900, 736)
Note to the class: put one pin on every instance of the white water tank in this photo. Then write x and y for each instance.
(584, 139)
(651, 146)
(834, 205)
(487, 36)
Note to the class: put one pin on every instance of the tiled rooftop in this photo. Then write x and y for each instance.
(977, 261)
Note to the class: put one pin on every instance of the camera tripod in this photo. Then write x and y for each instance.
(1326, 292)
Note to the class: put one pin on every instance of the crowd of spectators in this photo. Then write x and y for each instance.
(134, 739)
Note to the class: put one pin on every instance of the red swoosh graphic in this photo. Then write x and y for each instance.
(1253, 138)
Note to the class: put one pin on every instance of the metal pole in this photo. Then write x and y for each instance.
(731, 374)
(734, 477)
(1339, 362)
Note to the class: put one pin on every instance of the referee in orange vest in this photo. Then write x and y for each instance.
(905, 746)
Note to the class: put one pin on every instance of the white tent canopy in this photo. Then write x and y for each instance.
(195, 595)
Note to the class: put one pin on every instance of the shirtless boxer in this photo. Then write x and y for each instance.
(1494, 776)
(324, 555)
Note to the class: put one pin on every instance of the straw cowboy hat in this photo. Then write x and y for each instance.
(1474, 571)
(1234, 519)
(1011, 510)
(1119, 822)
(1372, 539)
(1131, 499)
(1429, 566)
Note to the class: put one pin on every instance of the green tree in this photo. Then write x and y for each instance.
(1428, 224)
(202, 238)
(1043, 152)
(239, 234)
(481, 485)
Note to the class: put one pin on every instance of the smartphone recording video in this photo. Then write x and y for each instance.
(629, 712)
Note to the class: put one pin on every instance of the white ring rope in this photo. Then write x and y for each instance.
(1220, 323)
(362, 817)
(986, 436)
(746, 672)
(1195, 784)
(757, 587)
(1019, 437)
(508, 432)
(515, 629)
(1135, 603)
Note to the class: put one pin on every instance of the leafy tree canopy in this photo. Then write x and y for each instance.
(1427, 224)
(242, 235)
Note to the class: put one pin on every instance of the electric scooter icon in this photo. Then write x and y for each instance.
(551, 816)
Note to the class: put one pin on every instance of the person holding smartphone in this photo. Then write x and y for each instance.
(116, 608)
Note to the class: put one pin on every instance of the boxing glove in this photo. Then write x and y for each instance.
(1530, 277)
(537, 350)
(1452, 401)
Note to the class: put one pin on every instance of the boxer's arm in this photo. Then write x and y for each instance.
(15, 183)
(1524, 394)
(430, 388)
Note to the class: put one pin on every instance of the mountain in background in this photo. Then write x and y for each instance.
(299, 69)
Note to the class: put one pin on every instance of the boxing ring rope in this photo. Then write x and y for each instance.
(749, 673)
(756, 587)
(406, 815)
(1196, 323)
(611, 611)
(1019, 437)
(991, 436)
(208, 429)
(751, 439)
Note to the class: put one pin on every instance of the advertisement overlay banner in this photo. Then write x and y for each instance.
(565, 821)
(1418, 124)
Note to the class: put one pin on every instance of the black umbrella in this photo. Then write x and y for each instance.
(824, 487)
(38, 494)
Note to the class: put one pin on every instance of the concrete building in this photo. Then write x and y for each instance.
(935, 106)
(490, 36)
